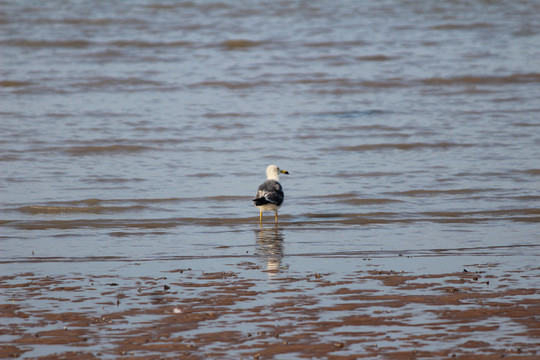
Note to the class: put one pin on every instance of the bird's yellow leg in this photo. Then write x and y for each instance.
(276, 216)
(260, 217)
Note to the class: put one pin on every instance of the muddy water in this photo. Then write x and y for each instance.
(133, 138)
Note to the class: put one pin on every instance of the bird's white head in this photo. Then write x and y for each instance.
(272, 172)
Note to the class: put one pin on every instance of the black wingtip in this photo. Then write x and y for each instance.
(260, 201)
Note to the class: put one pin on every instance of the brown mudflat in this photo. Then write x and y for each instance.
(481, 313)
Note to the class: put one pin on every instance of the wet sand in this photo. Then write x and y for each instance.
(251, 312)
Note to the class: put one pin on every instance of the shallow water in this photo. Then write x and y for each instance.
(133, 137)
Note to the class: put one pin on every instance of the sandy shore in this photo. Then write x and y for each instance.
(476, 313)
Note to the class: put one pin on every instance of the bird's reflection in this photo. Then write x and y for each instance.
(270, 246)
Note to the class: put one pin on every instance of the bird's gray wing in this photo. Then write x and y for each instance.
(269, 192)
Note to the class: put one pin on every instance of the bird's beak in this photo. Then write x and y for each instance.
(284, 172)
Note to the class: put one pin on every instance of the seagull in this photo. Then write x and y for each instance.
(270, 193)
